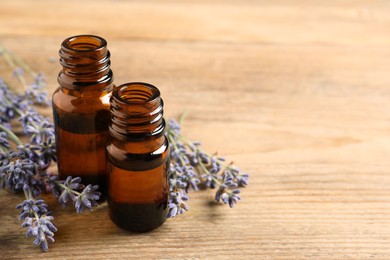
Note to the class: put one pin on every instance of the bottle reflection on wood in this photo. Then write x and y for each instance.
(138, 158)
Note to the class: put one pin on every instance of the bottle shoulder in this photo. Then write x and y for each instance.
(129, 159)
(156, 147)
(72, 101)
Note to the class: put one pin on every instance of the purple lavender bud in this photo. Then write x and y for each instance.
(219, 193)
(50, 239)
(3, 140)
(67, 181)
(86, 202)
(50, 226)
(27, 222)
(204, 157)
(18, 72)
(173, 210)
(173, 125)
(225, 197)
(78, 204)
(44, 245)
(48, 151)
(242, 179)
(63, 199)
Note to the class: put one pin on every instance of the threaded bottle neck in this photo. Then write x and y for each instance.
(86, 63)
(136, 112)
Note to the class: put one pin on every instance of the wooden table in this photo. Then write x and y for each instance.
(296, 93)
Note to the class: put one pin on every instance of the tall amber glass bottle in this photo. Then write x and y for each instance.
(138, 158)
(81, 109)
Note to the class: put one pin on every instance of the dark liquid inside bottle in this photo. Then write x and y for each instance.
(81, 142)
(138, 214)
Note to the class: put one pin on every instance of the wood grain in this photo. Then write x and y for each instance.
(294, 92)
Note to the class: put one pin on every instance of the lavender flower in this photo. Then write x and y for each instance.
(191, 166)
(19, 172)
(190, 178)
(3, 141)
(177, 195)
(174, 126)
(41, 132)
(11, 104)
(42, 229)
(52, 184)
(234, 173)
(87, 199)
(38, 223)
(69, 186)
(5, 159)
(210, 180)
(36, 92)
(228, 193)
(28, 151)
(30, 117)
(176, 204)
(48, 151)
(185, 175)
(69, 190)
(29, 206)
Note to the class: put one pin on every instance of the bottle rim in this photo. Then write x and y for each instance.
(136, 93)
(84, 43)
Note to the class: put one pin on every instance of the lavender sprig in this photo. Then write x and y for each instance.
(11, 104)
(4, 144)
(228, 192)
(42, 229)
(191, 166)
(178, 191)
(38, 221)
(26, 167)
(69, 191)
(36, 92)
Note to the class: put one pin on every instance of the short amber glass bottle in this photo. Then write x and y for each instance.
(138, 158)
(81, 109)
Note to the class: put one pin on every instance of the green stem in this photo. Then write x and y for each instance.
(29, 196)
(13, 60)
(10, 59)
(11, 135)
(25, 66)
(207, 171)
(26, 194)
(67, 188)
(183, 116)
(9, 103)
(202, 165)
(174, 143)
(187, 143)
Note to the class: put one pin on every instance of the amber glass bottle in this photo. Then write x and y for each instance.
(81, 109)
(138, 158)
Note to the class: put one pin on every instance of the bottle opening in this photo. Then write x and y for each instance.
(137, 93)
(84, 43)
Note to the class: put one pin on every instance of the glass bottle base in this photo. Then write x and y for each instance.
(137, 217)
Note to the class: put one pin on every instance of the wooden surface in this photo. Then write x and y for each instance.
(296, 93)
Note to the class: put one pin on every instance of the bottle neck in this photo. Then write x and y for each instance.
(137, 114)
(85, 62)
